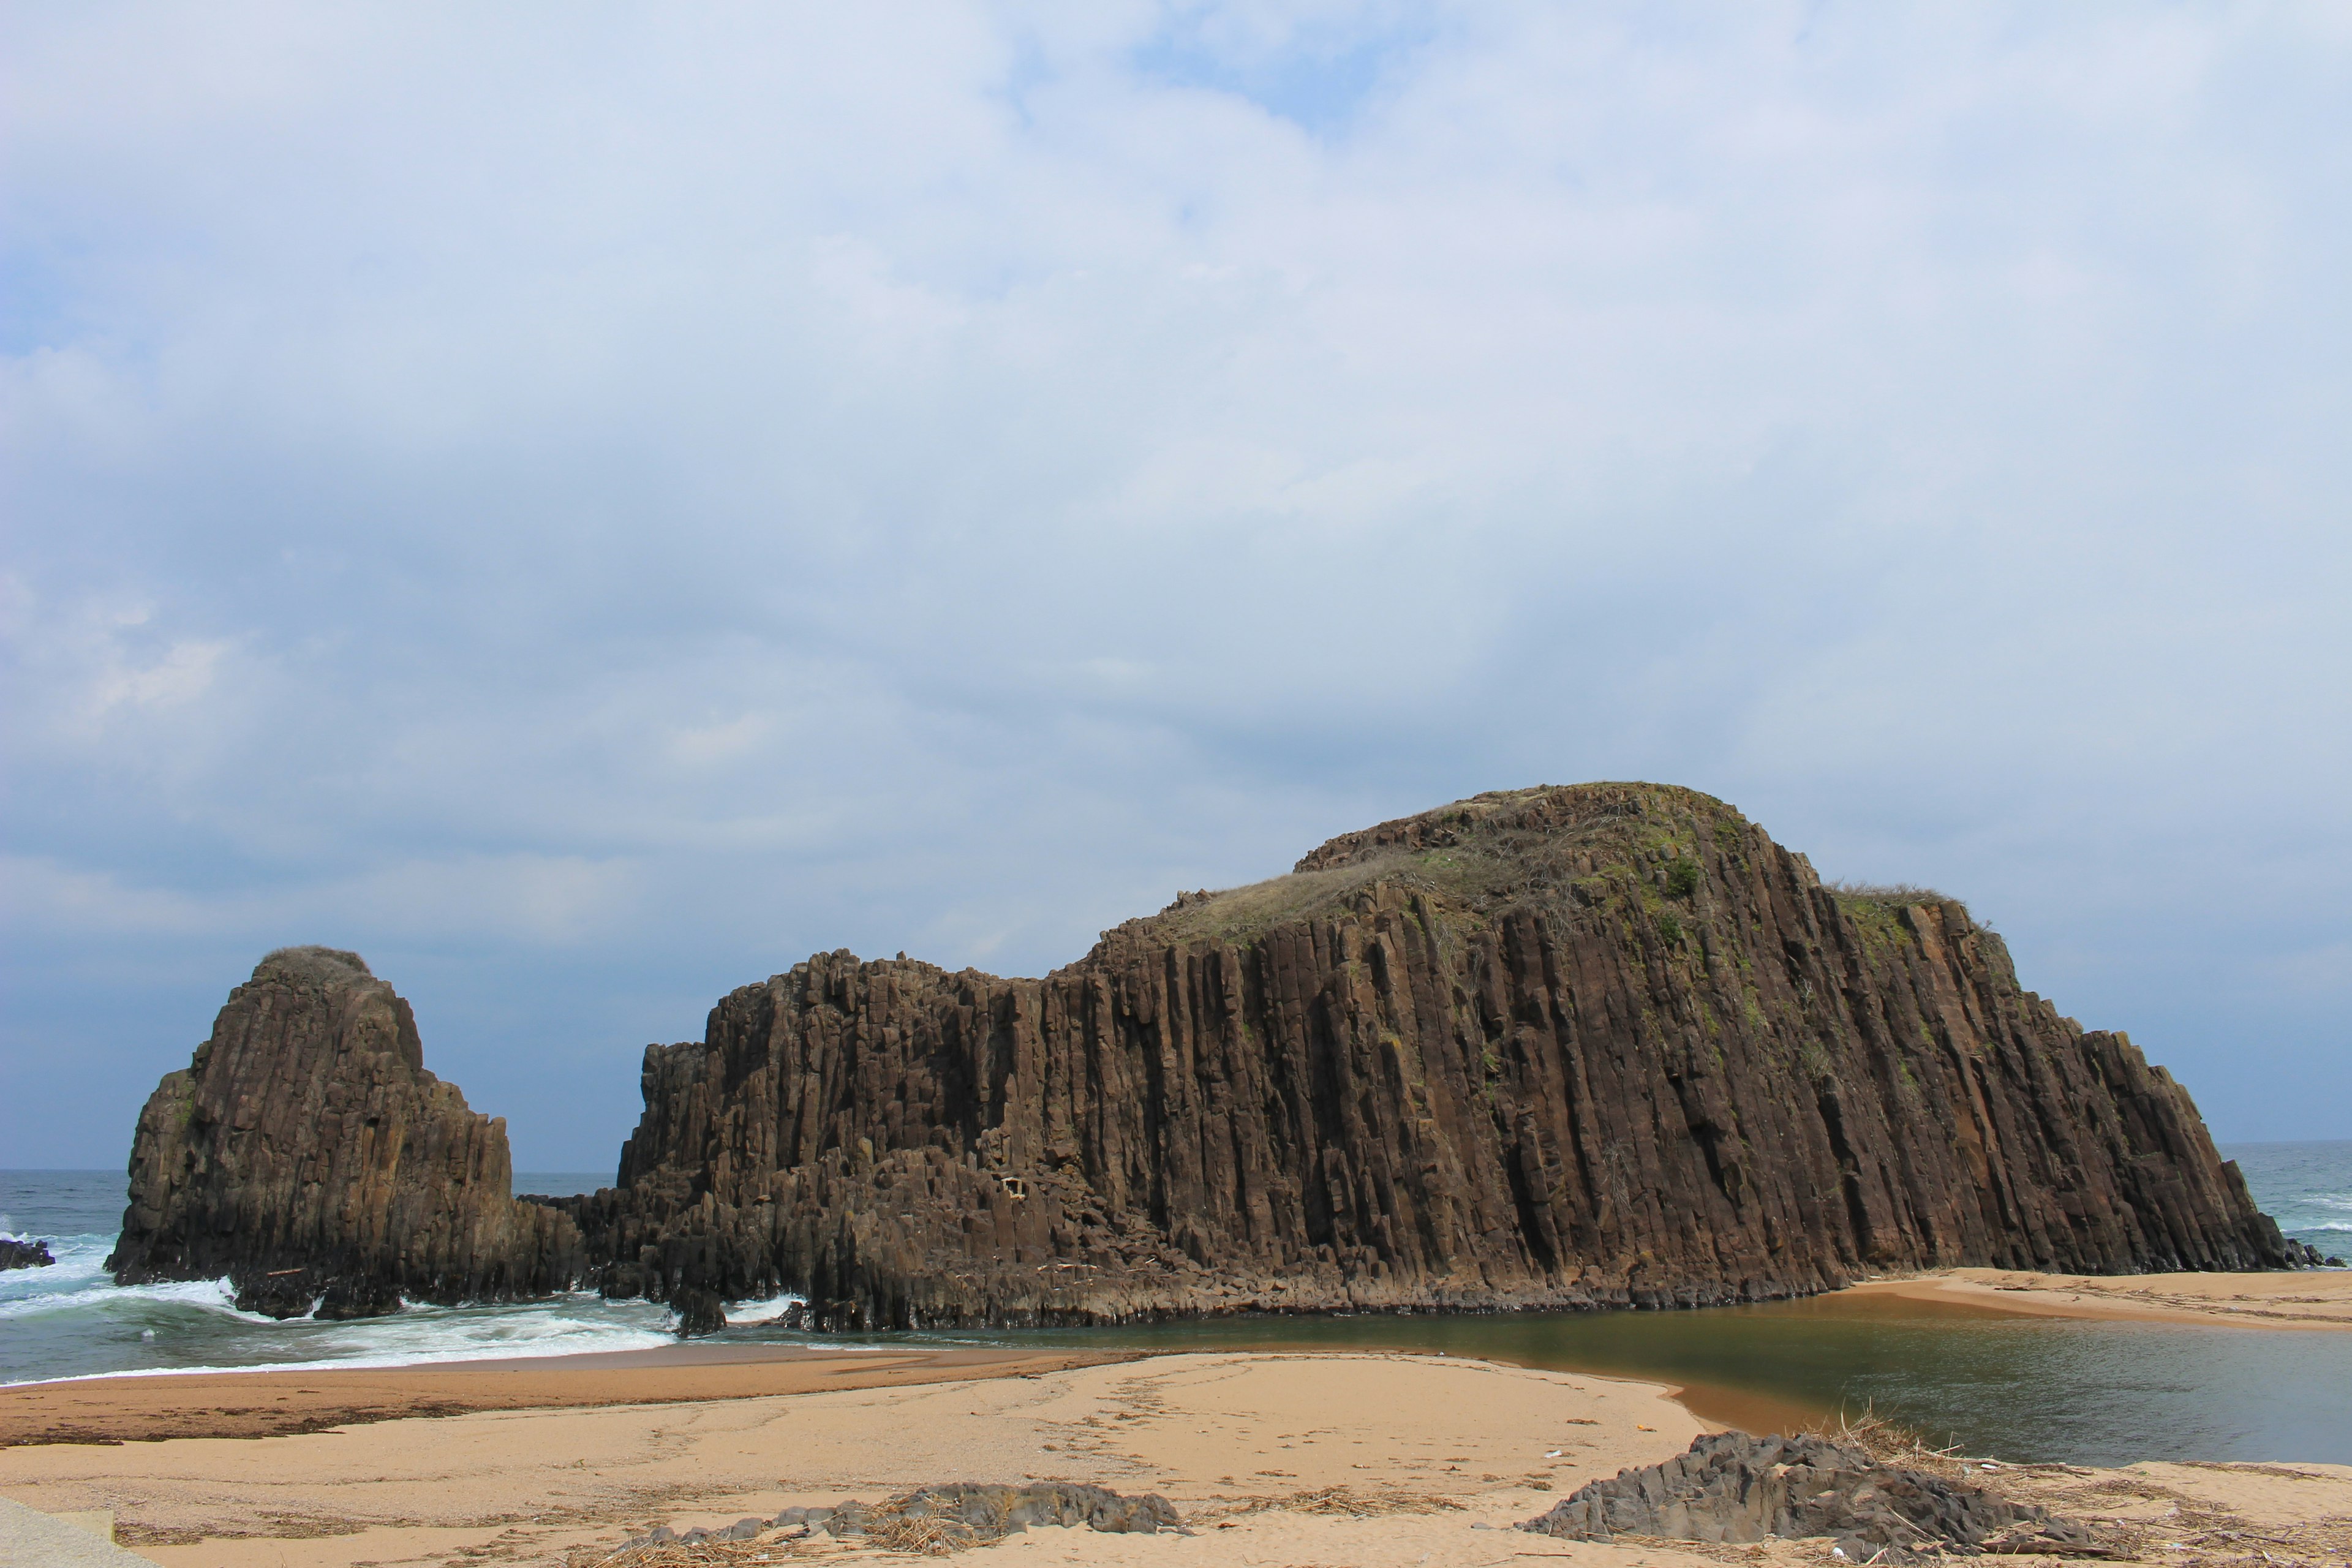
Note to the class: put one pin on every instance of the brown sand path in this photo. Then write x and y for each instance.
(2303, 1299)
(273, 1404)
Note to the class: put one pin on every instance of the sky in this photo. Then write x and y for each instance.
(589, 506)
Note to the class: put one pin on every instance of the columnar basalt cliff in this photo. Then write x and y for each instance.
(1607, 1045)
(1600, 1045)
(309, 1156)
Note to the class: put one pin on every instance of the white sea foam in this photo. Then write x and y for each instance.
(764, 1312)
(573, 1325)
(75, 1308)
(217, 1296)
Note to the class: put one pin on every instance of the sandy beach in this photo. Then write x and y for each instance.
(278, 1403)
(2307, 1298)
(1282, 1459)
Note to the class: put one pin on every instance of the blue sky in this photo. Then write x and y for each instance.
(587, 508)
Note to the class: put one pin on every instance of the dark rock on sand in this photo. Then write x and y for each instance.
(1732, 1487)
(15, 1254)
(1600, 1046)
(308, 1155)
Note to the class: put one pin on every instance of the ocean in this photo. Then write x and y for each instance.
(2025, 1388)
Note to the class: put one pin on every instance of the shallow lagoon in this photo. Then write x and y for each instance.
(2022, 1388)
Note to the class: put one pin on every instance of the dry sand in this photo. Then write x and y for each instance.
(1264, 1454)
(2305, 1299)
(1219, 1435)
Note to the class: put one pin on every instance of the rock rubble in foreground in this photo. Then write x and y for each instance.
(940, 1518)
(1607, 1045)
(1732, 1487)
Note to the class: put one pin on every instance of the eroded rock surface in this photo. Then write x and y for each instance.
(27, 1254)
(1604, 1045)
(307, 1154)
(1734, 1487)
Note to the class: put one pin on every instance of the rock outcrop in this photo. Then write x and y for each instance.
(1600, 1045)
(1731, 1487)
(25, 1254)
(309, 1156)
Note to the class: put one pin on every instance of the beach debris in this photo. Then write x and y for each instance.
(928, 1521)
(948, 1518)
(666, 1547)
(1733, 1487)
(1349, 1501)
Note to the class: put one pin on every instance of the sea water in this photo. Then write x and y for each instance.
(2306, 1187)
(72, 1320)
(2027, 1388)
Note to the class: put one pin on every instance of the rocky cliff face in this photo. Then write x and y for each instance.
(1608, 1045)
(307, 1156)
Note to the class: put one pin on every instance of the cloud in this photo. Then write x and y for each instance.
(595, 512)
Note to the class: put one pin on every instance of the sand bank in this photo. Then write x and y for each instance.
(1262, 1452)
(275, 1404)
(1211, 1432)
(2304, 1298)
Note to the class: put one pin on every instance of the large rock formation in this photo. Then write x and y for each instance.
(1602, 1045)
(307, 1156)
(1608, 1045)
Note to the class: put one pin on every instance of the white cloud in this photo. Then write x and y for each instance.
(669, 489)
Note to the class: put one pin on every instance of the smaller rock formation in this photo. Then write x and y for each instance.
(15, 1254)
(307, 1156)
(1732, 1487)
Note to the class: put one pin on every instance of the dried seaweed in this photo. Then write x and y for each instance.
(1345, 1501)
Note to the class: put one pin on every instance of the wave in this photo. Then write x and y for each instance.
(573, 1325)
(763, 1312)
(216, 1296)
